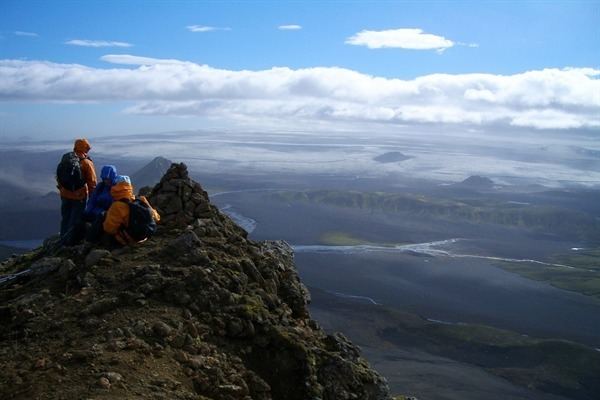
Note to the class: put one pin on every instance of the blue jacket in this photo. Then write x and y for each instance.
(101, 199)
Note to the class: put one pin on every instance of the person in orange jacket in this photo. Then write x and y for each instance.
(76, 179)
(116, 222)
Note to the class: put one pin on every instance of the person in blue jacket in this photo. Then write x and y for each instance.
(100, 201)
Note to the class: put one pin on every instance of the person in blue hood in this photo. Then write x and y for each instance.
(100, 200)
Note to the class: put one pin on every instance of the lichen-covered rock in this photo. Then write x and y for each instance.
(199, 311)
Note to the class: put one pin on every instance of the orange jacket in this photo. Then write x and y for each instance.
(81, 148)
(117, 216)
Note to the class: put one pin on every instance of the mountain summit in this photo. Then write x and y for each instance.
(151, 173)
(197, 312)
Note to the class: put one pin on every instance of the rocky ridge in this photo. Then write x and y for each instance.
(197, 312)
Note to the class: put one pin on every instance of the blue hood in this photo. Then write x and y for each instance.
(108, 172)
(122, 178)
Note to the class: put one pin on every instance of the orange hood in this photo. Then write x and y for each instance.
(82, 146)
(122, 191)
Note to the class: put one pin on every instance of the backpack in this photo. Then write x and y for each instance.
(141, 221)
(68, 172)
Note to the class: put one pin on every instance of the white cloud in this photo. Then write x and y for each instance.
(289, 27)
(548, 119)
(22, 33)
(97, 43)
(543, 99)
(203, 28)
(405, 38)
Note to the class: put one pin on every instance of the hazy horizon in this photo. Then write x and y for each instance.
(560, 162)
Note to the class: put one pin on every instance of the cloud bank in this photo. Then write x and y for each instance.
(97, 43)
(406, 38)
(543, 99)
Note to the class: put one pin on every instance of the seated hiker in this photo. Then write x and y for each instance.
(76, 178)
(100, 202)
(129, 219)
(101, 199)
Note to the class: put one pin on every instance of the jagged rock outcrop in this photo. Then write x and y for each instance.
(197, 312)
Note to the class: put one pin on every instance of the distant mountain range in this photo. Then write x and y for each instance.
(11, 194)
(543, 218)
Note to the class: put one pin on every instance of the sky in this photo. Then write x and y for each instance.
(101, 68)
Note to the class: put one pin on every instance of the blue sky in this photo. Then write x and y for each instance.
(496, 38)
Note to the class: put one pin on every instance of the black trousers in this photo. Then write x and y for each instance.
(95, 230)
(95, 234)
(71, 224)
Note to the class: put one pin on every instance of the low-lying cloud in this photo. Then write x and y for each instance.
(553, 98)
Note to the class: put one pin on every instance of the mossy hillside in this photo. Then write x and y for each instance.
(549, 365)
(582, 259)
(578, 271)
(546, 219)
(197, 311)
(553, 366)
(338, 238)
